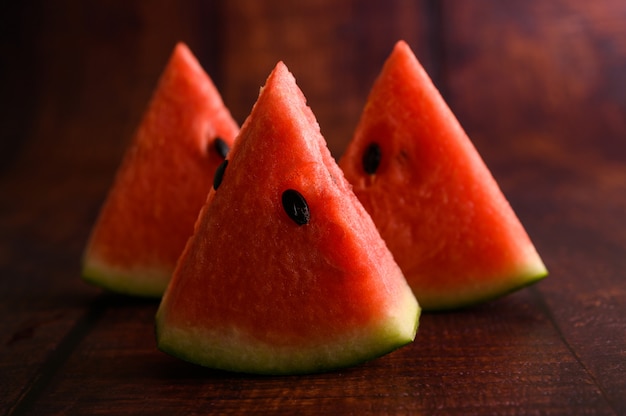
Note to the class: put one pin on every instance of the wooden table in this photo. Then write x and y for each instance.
(539, 86)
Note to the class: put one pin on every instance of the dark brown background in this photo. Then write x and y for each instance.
(539, 86)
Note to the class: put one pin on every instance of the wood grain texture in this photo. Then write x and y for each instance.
(497, 356)
(553, 84)
(538, 86)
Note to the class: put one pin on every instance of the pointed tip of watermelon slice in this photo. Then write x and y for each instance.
(255, 290)
(286, 91)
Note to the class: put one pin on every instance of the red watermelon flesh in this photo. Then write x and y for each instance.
(257, 292)
(432, 197)
(162, 183)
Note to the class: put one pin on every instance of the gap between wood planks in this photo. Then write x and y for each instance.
(59, 356)
(546, 310)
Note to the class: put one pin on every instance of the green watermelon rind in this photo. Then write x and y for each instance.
(525, 277)
(141, 283)
(194, 345)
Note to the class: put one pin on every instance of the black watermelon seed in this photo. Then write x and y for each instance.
(296, 207)
(371, 158)
(219, 174)
(221, 147)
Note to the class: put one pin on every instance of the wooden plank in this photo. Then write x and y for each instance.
(492, 359)
(544, 79)
(43, 303)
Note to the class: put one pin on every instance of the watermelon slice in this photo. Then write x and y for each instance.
(162, 182)
(432, 197)
(286, 272)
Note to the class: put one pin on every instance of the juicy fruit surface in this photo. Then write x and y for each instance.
(259, 291)
(162, 182)
(433, 199)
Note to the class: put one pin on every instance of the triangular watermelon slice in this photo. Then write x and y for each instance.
(432, 197)
(162, 182)
(285, 272)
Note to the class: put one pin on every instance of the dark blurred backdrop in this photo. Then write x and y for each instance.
(77, 73)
